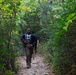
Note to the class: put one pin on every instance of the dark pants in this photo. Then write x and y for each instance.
(35, 47)
(29, 52)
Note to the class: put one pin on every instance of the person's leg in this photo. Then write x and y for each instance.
(27, 57)
(31, 52)
(36, 48)
(28, 61)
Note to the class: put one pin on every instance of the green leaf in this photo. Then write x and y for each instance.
(3, 41)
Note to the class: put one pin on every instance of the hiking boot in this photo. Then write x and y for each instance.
(28, 66)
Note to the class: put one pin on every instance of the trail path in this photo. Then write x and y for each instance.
(38, 67)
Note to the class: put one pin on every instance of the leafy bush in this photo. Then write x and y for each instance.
(61, 50)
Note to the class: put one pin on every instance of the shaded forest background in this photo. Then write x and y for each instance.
(54, 21)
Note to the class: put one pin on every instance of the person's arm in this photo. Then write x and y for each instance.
(33, 39)
(38, 43)
(23, 39)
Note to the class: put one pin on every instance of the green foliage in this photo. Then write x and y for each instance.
(8, 19)
(52, 20)
(61, 46)
(64, 54)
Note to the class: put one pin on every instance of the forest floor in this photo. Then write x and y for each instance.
(38, 66)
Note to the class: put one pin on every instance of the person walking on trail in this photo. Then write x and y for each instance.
(29, 41)
(37, 42)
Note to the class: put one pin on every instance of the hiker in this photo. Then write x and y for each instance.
(28, 40)
(36, 44)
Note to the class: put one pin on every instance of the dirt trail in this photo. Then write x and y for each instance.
(38, 67)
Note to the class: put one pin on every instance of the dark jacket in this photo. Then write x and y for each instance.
(33, 39)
